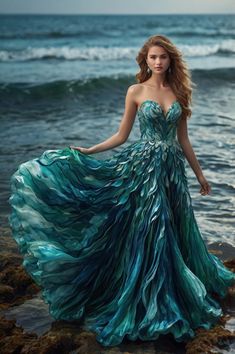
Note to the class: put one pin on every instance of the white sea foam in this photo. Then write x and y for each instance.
(209, 49)
(68, 53)
(110, 53)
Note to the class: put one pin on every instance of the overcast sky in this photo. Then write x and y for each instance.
(116, 6)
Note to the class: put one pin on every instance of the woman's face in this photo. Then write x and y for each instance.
(158, 59)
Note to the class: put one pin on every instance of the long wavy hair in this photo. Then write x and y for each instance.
(179, 77)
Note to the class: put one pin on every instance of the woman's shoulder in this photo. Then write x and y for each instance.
(135, 89)
(135, 92)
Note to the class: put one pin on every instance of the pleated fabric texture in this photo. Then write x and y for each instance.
(115, 242)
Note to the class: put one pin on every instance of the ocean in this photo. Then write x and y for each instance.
(63, 81)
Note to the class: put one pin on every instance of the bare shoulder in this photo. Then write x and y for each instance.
(135, 88)
(134, 91)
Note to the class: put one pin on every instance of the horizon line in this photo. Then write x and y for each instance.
(116, 14)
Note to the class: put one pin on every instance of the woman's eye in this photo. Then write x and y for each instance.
(160, 57)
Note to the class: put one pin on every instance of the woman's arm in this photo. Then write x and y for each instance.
(182, 135)
(124, 128)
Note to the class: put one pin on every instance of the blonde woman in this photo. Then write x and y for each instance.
(115, 242)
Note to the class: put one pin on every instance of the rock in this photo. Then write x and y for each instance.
(230, 264)
(7, 242)
(16, 284)
(61, 341)
(206, 341)
(223, 250)
(6, 293)
(6, 327)
(50, 344)
(12, 338)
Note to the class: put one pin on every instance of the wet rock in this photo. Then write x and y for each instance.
(12, 338)
(50, 344)
(230, 264)
(210, 341)
(7, 242)
(6, 327)
(16, 284)
(6, 293)
(16, 277)
(57, 341)
(223, 250)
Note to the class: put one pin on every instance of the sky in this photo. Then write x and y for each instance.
(116, 6)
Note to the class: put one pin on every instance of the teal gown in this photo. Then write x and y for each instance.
(115, 242)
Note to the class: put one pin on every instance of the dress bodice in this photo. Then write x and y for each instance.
(154, 124)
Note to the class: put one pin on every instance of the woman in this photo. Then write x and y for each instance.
(163, 72)
(116, 242)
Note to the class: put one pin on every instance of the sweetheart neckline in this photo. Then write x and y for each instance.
(164, 115)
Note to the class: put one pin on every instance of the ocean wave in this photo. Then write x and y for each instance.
(196, 32)
(220, 74)
(53, 34)
(67, 88)
(68, 53)
(110, 53)
(226, 46)
(98, 33)
(202, 32)
(61, 89)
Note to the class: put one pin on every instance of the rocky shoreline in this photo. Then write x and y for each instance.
(16, 287)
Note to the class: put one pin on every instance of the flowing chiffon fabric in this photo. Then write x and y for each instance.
(115, 241)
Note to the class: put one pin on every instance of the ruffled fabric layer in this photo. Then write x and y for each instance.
(116, 242)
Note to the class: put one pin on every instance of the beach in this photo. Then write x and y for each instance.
(63, 82)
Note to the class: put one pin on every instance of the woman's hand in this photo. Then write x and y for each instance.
(83, 150)
(205, 186)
